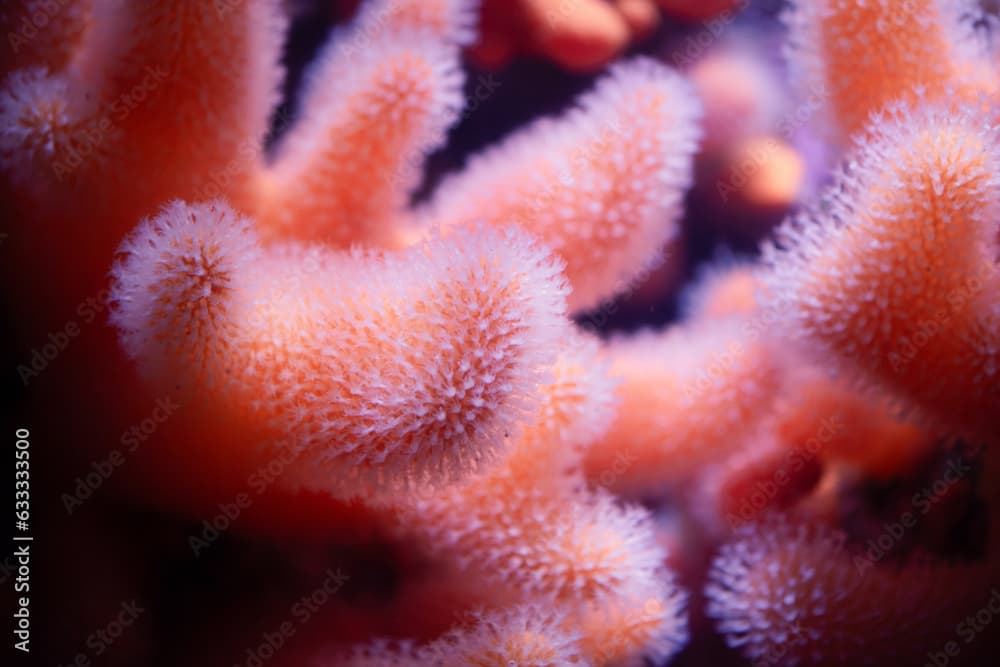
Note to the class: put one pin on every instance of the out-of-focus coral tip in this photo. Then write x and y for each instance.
(774, 172)
(580, 36)
(740, 93)
(492, 51)
(641, 16)
(721, 292)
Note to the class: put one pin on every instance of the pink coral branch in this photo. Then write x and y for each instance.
(602, 185)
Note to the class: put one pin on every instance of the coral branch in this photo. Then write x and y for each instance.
(602, 186)
(525, 525)
(844, 425)
(513, 536)
(688, 397)
(636, 630)
(205, 75)
(724, 289)
(41, 132)
(577, 405)
(347, 169)
(450, 21)
(896, 276)
(408, 370)
(861, 55)
(527, 635)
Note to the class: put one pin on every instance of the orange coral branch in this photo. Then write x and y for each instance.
(345, 171)
(862, 55)
(896, 279)
(602, 185)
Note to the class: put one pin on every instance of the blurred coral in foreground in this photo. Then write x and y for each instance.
(799, 471)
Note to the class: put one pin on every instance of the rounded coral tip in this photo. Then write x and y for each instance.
(637, 630)
(422, 365)
(526, 635)
(182, 286)
(723, 289)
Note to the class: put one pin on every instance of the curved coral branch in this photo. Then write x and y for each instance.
(528, 635)
(896, 276)
(528, 527)
(577, 404)
(582, 36)
(602, 186)
(840, 424)
(765, 476)
(537, 635)
(394, 369)
(726, 288)
(205, 75)
(598, 561)
(538, 539)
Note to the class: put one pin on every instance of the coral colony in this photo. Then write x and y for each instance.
(797, 472)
